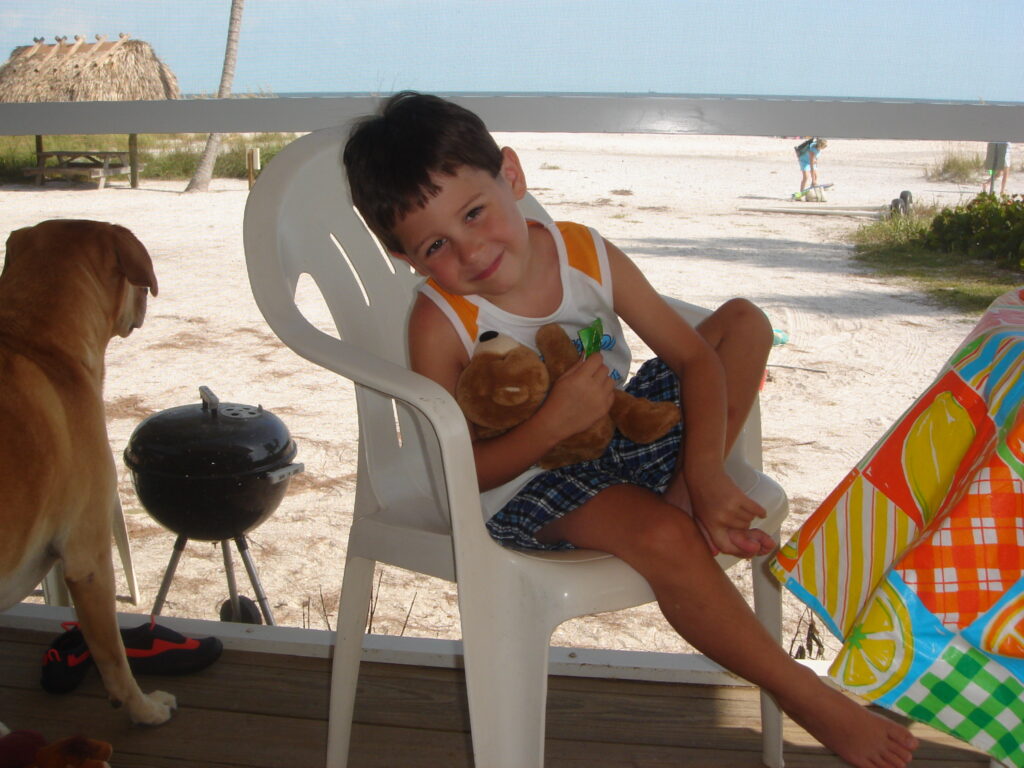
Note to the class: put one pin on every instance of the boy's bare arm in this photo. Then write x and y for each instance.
(682, 348)
(581, 396)
(716, 499)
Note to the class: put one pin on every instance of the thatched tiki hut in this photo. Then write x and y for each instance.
(123, 70)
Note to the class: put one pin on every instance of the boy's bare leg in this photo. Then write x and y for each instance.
(741, 335)
(697, 598)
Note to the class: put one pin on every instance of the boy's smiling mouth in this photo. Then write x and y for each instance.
(490, 269)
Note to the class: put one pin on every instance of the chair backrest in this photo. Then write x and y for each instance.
(299, 221)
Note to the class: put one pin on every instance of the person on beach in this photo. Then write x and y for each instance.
(807, 156)
(432, 184)
(998, 162)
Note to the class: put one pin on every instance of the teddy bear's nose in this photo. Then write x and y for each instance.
(511, 395)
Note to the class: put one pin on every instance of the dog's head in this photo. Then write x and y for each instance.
(110, 253)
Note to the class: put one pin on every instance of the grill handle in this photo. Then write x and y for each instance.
(210, 400)
(280, 474)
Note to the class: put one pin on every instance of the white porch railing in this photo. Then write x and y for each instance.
(835, 118)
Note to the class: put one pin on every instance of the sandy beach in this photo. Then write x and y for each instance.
(706, 218)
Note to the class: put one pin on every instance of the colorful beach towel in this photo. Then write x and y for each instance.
(915, 560)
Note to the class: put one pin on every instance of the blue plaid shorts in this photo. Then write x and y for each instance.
(551, 494)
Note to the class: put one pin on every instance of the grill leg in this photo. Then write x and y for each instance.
(165, 585)
(250, 567)
(229, 571)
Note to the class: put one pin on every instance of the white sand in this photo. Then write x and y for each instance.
(860, 350)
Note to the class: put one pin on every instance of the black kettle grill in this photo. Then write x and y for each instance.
(213, 471)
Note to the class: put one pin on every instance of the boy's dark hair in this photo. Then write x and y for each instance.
(390, 156)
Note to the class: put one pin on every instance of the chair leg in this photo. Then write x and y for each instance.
(55, 591)
(506, 658)
(768, 607)
(124, 550)
(356, 586)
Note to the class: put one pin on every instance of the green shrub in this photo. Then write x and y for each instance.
(908, 247)
(169, 164)
(181, 162)
(231, 162)
(13, 159)
(988, 227)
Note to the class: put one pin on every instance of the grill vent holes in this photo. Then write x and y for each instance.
(236, 411)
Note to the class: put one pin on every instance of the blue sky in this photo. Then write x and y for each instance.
(922, 49)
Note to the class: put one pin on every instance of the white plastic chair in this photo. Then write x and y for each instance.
(417, 505)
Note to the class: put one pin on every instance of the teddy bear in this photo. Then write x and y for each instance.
(505, 382)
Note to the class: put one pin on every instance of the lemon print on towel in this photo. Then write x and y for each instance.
(878, 651)
(1005, 632)
(934, 447)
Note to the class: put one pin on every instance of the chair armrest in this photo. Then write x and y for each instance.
(691, 313)
(428, 398)
(381, 375)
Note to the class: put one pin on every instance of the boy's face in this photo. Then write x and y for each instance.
(470, 237)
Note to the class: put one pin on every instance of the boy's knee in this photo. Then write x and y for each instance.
(667, 538)
(745, 317)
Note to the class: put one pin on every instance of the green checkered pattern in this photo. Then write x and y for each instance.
(974, 698)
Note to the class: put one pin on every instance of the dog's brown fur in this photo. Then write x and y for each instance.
(66, 289)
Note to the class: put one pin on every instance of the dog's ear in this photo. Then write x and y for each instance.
(133, 258)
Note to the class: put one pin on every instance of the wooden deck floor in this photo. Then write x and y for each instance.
(269, 710)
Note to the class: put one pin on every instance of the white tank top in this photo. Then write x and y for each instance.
(586, 295)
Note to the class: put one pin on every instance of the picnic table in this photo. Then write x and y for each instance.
(92, 164)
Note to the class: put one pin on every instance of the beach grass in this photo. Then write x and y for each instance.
(957, 165)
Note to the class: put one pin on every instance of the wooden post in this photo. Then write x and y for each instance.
(133, 159)
(252, 163)
(39, 159)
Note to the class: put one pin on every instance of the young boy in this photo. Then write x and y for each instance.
(431, 183)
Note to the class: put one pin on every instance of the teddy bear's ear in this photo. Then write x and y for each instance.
(556, 348)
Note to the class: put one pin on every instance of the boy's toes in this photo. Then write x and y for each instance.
(750, 542)
(766, 544)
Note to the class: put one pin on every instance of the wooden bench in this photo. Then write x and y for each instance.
(84, 163)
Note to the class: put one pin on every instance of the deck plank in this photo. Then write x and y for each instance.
(259, 710)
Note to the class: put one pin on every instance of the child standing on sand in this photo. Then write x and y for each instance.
(807, 156)
(431, 183)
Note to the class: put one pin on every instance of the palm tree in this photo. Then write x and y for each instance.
(200, 180)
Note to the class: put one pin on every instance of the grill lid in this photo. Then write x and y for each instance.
(209, 439)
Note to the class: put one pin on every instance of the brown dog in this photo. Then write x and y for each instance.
(66, 289)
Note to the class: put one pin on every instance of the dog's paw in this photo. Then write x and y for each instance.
(154, 708)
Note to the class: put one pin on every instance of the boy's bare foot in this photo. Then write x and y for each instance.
(739, 542)
(862, 738)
